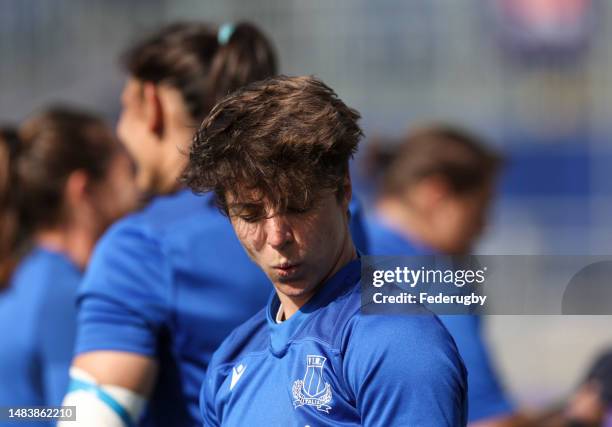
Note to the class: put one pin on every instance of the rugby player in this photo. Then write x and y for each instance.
(435, 190)
(158, 298)
(434, 195)
(65, 178)
(276, 155)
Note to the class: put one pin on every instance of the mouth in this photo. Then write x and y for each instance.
(286, 269)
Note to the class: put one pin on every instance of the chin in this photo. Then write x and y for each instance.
(294, 289)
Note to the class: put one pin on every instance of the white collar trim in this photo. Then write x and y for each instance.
(280, 314)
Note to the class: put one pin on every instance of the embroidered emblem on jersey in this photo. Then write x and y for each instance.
(312, 390)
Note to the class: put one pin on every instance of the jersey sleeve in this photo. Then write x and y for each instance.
(404, 370)
(56, 331)
(123, 302)
(486, 395)
(207, 396)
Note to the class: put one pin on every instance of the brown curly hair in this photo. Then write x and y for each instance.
(279, 142)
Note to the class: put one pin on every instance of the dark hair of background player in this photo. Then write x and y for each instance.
(191, 58)
(453, 154)
(35, 163)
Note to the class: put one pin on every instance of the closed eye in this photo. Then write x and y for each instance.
(250, 218)
(247, 212)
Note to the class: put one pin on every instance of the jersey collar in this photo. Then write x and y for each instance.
(281, 334)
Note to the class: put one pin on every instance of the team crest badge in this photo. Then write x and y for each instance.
(312, 390)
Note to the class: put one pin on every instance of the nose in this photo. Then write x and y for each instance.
(278, 231)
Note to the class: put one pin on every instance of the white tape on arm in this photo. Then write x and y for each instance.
(101, 405)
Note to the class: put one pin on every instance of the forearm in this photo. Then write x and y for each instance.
(109, 388)
(101, 405)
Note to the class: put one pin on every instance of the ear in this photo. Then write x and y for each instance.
(154, 113)
(76, 189)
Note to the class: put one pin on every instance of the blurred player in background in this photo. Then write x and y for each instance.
(65, 178)
(169, 282)
(276, 153)
(435, 190)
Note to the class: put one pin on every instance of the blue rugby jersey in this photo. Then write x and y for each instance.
(329, 365)
(486, 395)
(38, 321)
(170, 282)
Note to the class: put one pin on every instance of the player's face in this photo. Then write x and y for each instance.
(134, 133)
(297, 251)
(462, 219)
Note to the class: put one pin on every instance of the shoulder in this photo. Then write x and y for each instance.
(419, 331)
(47, 284)
(248, 340)
(416, 337)
(128, 247)
(170, 221)
(416, 348)
(386, 241)
(42, 270)
(251, 337)
(150, 226)
(165, 211)
(343, 324)
(129, 261)
(174, 211)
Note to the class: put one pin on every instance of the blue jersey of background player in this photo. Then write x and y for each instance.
(276, 153)
(168, 283)
(66, 165)
(434, 194)
(38, 315)
(486, 396)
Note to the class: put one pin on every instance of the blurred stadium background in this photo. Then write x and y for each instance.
(533, 76)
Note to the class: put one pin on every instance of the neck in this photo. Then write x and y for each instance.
(290, 305)
(412, 225)
(75, 243)
(174, 160)
(347, 253)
